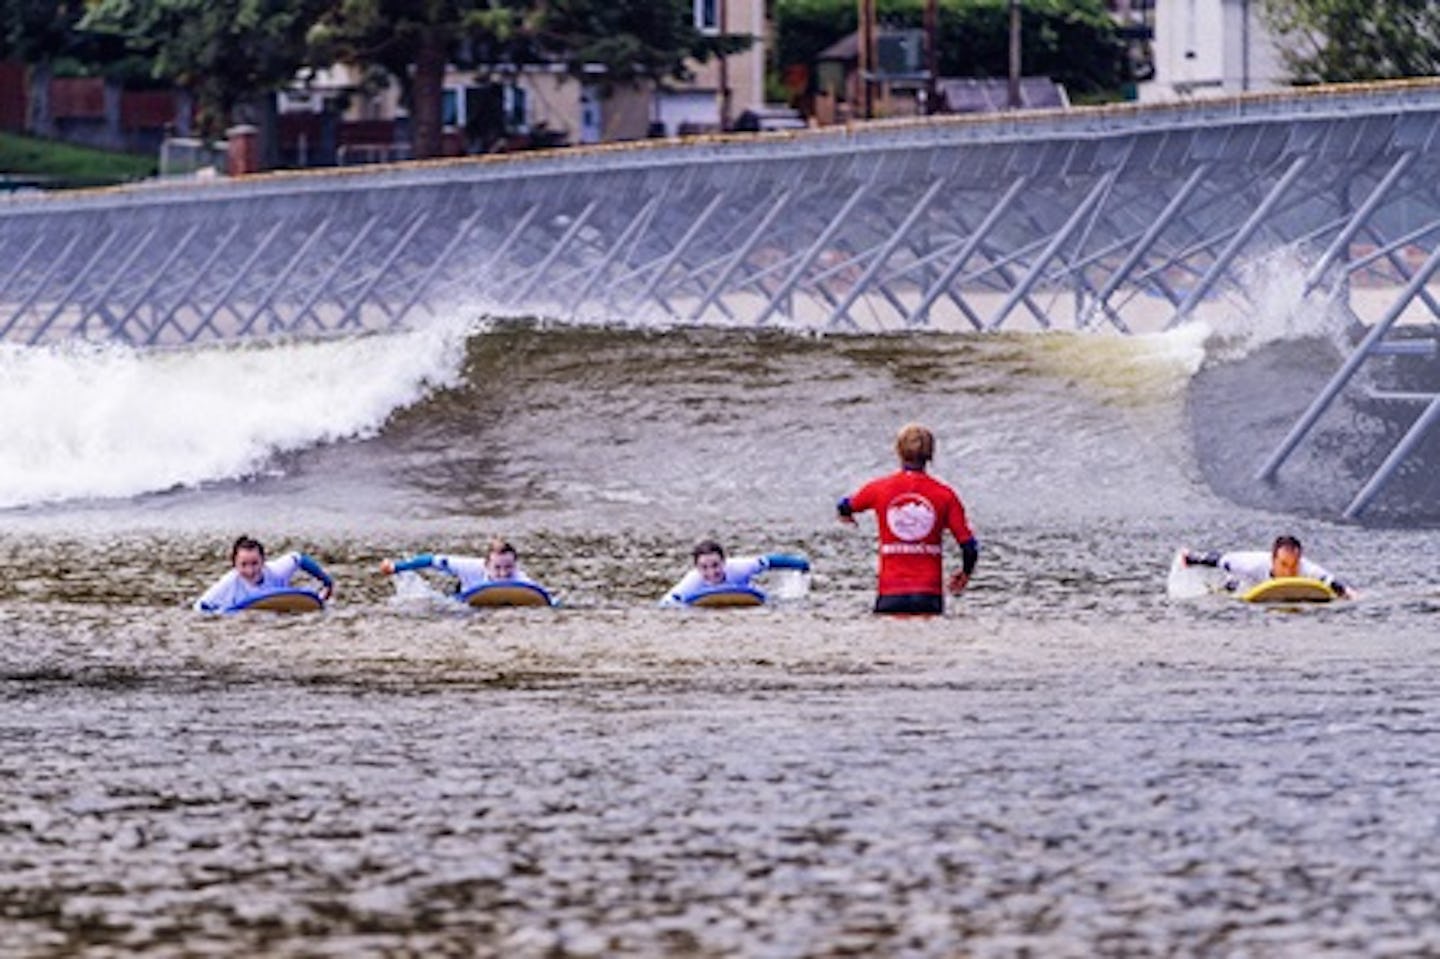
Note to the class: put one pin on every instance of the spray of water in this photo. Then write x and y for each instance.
(86, 421)
(1273, 307)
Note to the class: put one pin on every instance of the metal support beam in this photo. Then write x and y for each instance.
(121, 273)
(538, 273)
(322, 288)
(679, 249)
(1403, 271)
(821, 241)
(73, 288)
(632, 229)
(1222, 263)
(1352, 363)
(861, 285)
(972, 243)
(223, 301)
(22, 264)
(177, 250)
(1398, 455)
(1342, 240)
(741, 252)
(357, 302)
(1101, 187)
(490, 263)
(1355, 266)
(1146, 243)
(291, 265)
(201, 274)
(440, 262)
(41, 288)
(876, 258)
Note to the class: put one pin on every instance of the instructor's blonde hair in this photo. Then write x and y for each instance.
(915, 445)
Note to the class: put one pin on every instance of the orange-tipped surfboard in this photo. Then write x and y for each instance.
(727, 596)
(512, 592)
(286, 600)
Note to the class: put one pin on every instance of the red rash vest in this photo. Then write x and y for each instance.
(913, 509)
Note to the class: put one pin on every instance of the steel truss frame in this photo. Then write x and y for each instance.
(1132, 220)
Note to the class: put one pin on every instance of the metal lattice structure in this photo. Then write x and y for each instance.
(1125, 219)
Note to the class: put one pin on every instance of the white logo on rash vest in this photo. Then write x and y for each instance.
(911, 517)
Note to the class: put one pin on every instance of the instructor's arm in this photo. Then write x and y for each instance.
(969, 555)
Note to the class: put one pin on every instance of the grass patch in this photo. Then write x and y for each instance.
(60, 165)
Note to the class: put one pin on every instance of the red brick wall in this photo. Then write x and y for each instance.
(77, 98)
(12, 97)
(367, 132)
(146, 109)
(244, 150)
(82, 98)
(293, 125)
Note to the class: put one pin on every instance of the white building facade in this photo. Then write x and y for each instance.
(1211, 48)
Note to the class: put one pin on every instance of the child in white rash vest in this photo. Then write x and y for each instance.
(712, 571)
(501, 564)
(251, 574)
(1248, 567)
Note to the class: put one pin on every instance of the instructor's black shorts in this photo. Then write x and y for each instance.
(933, 603)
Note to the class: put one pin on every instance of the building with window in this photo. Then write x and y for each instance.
(332, 117)
(720, 90)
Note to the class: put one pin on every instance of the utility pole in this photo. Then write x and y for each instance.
(932, 55)
(1244, 46)
(724, 92)
(865, 52)
(1014, 54)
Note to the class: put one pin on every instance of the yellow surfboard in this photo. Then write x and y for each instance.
(1289, 589)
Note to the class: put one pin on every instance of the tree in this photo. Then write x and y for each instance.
(37, 33)
(1074, 42)
(627, 40)
(228, 53)
(412, 41)
(1340, 41)
(630, 40)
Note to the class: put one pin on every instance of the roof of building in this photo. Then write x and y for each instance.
(846, 48)
(992, 94)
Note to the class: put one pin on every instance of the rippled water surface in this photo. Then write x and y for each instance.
(1067, 763)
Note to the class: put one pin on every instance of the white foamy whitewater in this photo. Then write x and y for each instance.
(83, 421)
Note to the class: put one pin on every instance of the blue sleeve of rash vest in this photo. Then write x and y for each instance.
(419, 561)
(313, 568)
(787, 561)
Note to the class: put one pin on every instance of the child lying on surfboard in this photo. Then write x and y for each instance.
(1247, 568)
(712, 571)
(500, 564)
(251, 574)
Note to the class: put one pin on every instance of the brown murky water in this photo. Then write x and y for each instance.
(1066, 763)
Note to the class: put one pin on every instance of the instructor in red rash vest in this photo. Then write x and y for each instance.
(914, 509)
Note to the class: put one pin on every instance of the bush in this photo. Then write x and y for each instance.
(1074, 42)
